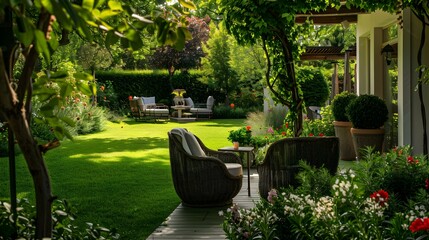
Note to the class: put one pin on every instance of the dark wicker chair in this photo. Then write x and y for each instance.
(203, 181)
(280, 165)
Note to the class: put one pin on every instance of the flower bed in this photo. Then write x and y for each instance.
(384, 197)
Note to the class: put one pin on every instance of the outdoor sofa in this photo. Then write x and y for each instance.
(146, 108)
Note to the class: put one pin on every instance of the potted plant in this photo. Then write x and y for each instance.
(241, 136)
(342, 125)
(367, 114)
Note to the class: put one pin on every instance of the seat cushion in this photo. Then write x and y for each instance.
(189, 103)
(193, 145)
(234, 169)
(181, 133)
(201, 110)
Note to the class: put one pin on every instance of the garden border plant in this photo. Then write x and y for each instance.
(385, 197)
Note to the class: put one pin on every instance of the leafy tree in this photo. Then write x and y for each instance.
(37, 32)
(273, 23)
(216, 65)
(170, 58)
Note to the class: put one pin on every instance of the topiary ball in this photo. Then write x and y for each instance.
(367, 112)
(314, 87)
(339, 105)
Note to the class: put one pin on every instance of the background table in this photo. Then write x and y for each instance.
(249, 151)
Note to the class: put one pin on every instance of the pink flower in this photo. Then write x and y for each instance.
(272, 194)
(420, 224)
(270, 130)
(427, 183)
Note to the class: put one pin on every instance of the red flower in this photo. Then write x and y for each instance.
(321, 134)
(427, 183)
(232, 105)
(380, 196)
(420, 224)
(102, 88)
(130, 98)
(310, 134)
(411, 160)
(283, 133)
(248, 128)
(287, 125)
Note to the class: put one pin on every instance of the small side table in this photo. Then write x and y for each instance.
(249, 152)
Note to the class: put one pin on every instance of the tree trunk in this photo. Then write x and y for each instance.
(15, 112)
(39, 172)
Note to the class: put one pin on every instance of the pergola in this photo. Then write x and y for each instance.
(344, 16)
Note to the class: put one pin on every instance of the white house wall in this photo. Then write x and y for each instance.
(370, 69)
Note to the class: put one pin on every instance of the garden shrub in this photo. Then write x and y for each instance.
(366, 203)
(63, 216)
(314, 86)
(226, 112)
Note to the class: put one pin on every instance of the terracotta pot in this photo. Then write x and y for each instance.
(367, 137)
(236, 145)
(342, 131)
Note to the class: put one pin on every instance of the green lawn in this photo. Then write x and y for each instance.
(119, 178)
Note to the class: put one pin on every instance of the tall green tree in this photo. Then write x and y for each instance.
(37, 28)
(273, 24)
(217, 62)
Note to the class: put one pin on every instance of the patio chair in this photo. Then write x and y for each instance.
(280, 166)
(202, 177)
(203, 109)
(145, 108)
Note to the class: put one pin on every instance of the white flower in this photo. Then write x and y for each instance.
(220, 213)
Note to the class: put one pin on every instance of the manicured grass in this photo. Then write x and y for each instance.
(119, 178)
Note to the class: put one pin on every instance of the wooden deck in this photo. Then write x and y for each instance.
(204, 223)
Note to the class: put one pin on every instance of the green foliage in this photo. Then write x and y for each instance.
(64, 216)
(367, 112)
(93, 57)
(361, 204)
(396, 171)
(314, 87)
(242, 135)
(339, 105)
(216, 64)
(57, 90)
(225, 112)
(320, 127)
(90, 119)
(3, 140)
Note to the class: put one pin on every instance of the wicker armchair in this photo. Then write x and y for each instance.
(280, 165)
(209, 180)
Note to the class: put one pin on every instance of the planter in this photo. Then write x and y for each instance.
(342, 131)
(367, 137)
(236, 145)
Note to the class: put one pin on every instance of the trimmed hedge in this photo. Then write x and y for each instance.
(151, 83)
